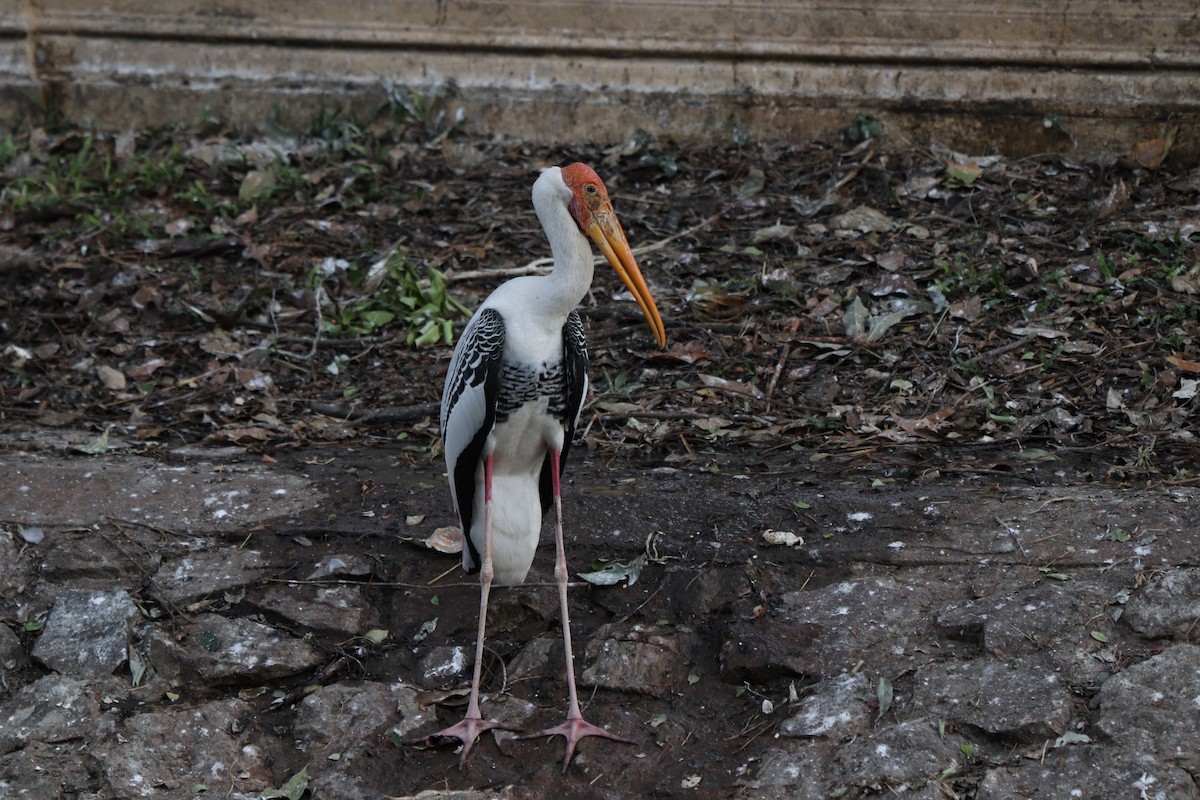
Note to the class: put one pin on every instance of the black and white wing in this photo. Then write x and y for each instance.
(469, 412)
(575, 386)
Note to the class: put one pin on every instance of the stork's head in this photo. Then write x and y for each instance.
(593, 213)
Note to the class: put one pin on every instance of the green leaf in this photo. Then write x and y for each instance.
(377, 318)
(1100, 636)
(883, 694)
(616, 572)
(1050, 573)
(96, 446)
(293, 789)
(965, 173)
(657, 719)
(427, 627)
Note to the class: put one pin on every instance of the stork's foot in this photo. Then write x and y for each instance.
(467, 732)
(574, 729)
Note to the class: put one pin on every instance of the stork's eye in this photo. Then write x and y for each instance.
(590, 188)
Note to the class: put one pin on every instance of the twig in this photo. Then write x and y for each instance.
(784, 352)
(345, 412)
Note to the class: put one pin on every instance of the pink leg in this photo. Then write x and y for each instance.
(576, 727)
(473, 724)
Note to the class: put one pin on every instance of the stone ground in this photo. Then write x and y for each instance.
(910, 497)
(210, 625)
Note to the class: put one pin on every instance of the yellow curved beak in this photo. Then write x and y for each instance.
(606, 231)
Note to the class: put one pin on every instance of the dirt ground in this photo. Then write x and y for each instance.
(857, 333)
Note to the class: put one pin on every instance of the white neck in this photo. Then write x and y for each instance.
(571, 277)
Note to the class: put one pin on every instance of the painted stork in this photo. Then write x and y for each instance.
(513, 393)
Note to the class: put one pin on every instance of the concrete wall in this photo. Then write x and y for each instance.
(1015, 75)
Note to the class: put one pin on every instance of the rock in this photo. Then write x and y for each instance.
(218, 651)
(89, 561)
(1026, 701)
(337, 609)
(507, 793)
(341, 727)
(12, 653)
(1154, 707)
(218, 744)
(41, 771)
(762, 650)
(905, 757)
(342, 565)
(1168, 605)
(334, 719)
(1088, 772)
(533, 662)
(195, 576)
(636, 658)
(833, 708)
(1023, 622)
(446, 665)
(698, 594)
(52, 709)
(827, 631)
(87, 632)
(14, 575)
(66, 491)
(907, 753)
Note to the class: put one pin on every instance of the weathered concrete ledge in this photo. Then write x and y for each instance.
(1020, 77)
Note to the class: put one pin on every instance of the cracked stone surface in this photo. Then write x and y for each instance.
(748, 668)
(1154, 706)
(87, 632)
(998, 698)
(1168, 605)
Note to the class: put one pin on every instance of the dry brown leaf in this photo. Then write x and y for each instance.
(252, 379)
(684, 353)
(864, 219)
(726, 385)
(111, 378)
(1188, 283)
(892, 260)
(1185, 364)
(969, 308)
(146, 368)
(929, 422)
(1038, 330)
(965, 172)
(773, 233)
(249, 435)
(1152, 152)
(1117, 199)
(447, 539)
